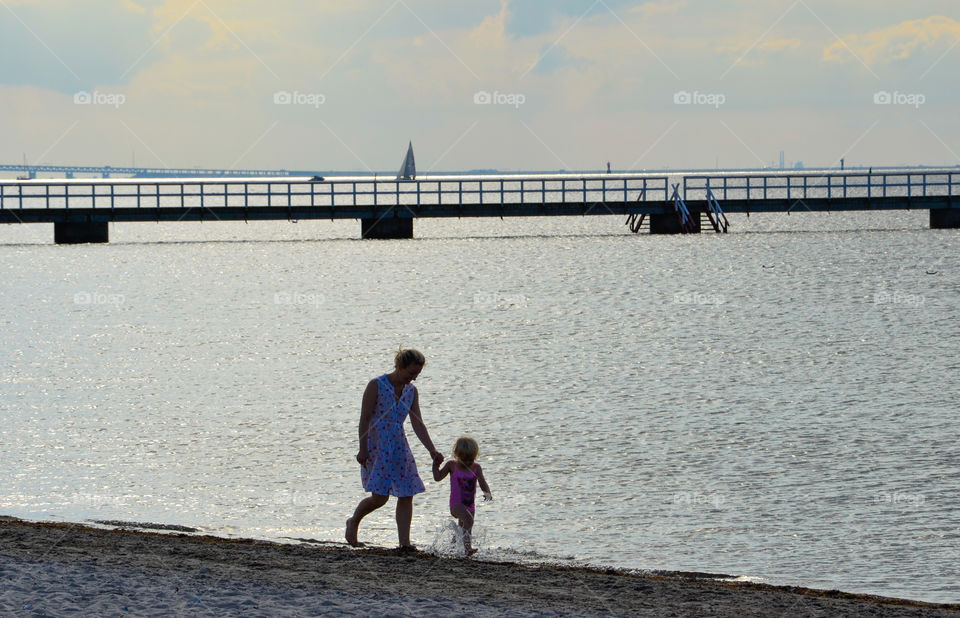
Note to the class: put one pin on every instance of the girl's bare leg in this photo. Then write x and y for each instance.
(404, 517)
(465, 519)
(368, 505)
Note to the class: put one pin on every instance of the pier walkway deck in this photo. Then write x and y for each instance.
(81, 209)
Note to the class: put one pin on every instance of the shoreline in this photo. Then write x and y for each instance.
(57, 568)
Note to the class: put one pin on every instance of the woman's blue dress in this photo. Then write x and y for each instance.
(391, 469)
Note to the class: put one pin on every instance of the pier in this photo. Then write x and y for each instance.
(82, 209)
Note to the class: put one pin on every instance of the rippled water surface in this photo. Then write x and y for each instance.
(779, 402)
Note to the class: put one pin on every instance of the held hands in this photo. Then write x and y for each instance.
(364, 455)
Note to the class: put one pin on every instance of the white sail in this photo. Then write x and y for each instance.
(408, 171)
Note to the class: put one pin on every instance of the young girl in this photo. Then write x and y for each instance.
(464, 473)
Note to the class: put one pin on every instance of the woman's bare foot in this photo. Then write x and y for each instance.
(351, 534)
(471, 552)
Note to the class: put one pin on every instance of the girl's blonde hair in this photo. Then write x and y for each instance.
(405, 358)
(466, 450)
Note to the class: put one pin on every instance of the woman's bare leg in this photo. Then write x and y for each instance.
(404, 517)
(368, 505)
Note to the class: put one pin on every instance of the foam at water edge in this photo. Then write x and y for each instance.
(750, 579)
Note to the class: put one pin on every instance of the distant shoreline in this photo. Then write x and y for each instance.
(62, 567)
(88, 172)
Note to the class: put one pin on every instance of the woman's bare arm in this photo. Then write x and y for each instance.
(419, 428)
(367, 408)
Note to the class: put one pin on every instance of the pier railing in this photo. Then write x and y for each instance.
(514, 190)
(830, 185)
(331, 192)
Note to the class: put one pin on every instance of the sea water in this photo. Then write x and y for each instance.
(779, 402)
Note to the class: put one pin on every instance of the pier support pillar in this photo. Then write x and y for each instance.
(945, 219)
(668, 223)
(69, 233)
(386, 228)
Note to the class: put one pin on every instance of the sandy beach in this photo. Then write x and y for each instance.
(54, 569)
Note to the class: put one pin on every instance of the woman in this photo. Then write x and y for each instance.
(388, 467)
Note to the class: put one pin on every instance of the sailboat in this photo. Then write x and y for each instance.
(408, 171)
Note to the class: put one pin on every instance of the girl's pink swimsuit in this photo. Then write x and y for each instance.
(463, 487)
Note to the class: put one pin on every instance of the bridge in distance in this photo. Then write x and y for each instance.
(82, 209)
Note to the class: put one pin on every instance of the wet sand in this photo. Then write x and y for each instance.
(56, 569)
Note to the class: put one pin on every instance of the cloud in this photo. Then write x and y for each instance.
(552, 59)
(133, 7)
(492, 30)
(751, 54)
(531, 19)
(200, 79)
(780, 45)
(68, 46)
(895, 43)
(650, 10)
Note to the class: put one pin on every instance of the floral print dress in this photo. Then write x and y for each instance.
(391, 469)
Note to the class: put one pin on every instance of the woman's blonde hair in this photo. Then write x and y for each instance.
(466, 450)
(405, 358)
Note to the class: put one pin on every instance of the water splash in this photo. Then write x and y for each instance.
(448, 540)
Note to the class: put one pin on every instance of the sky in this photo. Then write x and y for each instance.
(330, 85)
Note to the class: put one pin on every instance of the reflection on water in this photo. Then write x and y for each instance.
(765, 403)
